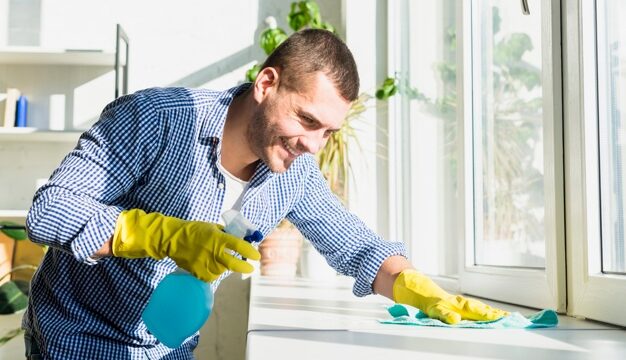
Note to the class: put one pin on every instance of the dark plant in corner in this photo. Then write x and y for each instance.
(14, 293)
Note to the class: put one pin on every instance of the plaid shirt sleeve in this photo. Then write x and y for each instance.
(341, 237)
(107, 161)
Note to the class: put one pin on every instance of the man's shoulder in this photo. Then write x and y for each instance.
(166, 98)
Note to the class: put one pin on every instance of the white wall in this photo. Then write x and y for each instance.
(188, 42)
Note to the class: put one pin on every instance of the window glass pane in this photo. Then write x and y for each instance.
(428, 89)
(611, 109)
(508, 134)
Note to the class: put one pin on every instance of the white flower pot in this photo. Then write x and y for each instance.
(314, 266)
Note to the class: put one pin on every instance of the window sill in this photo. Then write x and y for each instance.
(316, 319)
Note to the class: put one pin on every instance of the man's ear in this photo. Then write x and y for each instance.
(266, 82)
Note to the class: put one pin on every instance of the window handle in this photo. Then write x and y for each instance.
(525, 9)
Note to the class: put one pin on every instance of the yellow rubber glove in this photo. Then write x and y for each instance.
(196, 246)
(413, 288)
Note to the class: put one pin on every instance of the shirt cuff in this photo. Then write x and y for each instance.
(97, 231)
(367, 273)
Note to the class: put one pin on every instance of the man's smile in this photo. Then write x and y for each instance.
(291, 150)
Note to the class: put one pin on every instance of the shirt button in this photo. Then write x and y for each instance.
(220, 185)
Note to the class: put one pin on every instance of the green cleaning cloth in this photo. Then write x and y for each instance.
(408, 315)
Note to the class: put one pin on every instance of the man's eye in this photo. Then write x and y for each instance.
(308, 120)
(329, 133)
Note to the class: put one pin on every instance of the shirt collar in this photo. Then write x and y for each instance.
(213, 123)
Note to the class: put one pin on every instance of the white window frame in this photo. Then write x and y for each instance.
(529, 287)
(592, 294)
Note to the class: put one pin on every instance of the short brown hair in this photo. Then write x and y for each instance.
(309, 51)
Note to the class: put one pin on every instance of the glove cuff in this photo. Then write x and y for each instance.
(406, 280)
(129, 238)
(414, 288)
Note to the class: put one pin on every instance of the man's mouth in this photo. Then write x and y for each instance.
(291, 150)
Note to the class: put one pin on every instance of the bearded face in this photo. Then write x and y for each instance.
(287, 124)
(270, 141)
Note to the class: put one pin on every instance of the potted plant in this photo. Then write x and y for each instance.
(280, 250)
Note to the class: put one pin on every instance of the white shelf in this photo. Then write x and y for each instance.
(33, 134)
(18, 216)
(26, 55)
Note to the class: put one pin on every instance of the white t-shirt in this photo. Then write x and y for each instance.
(234, 189)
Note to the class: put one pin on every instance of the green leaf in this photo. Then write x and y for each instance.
(12, 299)
(387, 89)
(271, 38)
(496, 20)
(13, 234)
(451, 38)
(298, 17)
(314, 14)
(512, 48)
(447, 72)
(10, 335)
(253, 72)
(327, 26)
(527, 74)
(306, 14)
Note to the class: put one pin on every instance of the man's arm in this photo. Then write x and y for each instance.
(388, 273)
(348, 245)
(74, 211)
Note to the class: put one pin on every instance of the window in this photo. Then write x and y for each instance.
(534, 158)
(508, 136)
(595, 81)
(477, 190)
(514, 245)
(611, 47)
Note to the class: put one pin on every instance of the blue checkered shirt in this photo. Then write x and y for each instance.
(156, 150)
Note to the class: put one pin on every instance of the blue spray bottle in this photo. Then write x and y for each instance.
(181, 303)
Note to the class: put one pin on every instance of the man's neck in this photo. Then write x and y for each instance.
(237, 158)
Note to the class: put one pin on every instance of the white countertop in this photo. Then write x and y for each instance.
(300, 319)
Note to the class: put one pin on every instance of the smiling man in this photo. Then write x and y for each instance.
(143, 191)
(281, 123)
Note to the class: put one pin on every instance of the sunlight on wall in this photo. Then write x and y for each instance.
(87, 108)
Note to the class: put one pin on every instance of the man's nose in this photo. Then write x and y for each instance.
(312, 143)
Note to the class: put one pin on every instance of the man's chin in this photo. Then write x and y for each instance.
(279, 166)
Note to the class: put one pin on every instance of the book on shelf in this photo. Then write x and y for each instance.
(10, 107)
(21, 112)
(3, 101)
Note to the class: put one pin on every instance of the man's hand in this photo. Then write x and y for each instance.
(196, 246)
(413, 288)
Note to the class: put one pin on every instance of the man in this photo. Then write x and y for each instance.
(145, 186)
